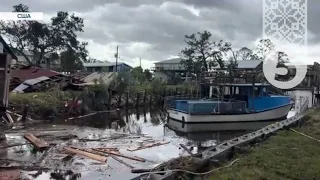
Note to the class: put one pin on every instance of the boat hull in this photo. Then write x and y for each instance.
(193, 123)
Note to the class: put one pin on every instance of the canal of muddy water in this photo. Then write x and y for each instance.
(122, 130)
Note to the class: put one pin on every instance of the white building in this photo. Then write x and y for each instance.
(164, 70)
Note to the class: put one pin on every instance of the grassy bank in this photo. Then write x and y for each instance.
(288, 155)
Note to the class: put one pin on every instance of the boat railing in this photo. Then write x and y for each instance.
(232, 107)
(231, 76)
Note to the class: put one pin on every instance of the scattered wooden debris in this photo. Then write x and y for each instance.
(87, 154)
(117, 153)
(148, 146)
(38, 143)
(19, 115)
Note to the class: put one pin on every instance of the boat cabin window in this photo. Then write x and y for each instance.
(249, 91)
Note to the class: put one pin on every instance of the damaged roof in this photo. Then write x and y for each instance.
(106, 77)
(30, 82)
(32, 73)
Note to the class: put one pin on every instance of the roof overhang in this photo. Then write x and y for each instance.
(7, 48)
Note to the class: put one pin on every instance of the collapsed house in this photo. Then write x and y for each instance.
(6, 58)
(37, 79)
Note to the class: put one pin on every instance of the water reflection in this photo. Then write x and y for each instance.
(155, 123)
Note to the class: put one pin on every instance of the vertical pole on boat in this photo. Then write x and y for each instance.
(253, 92)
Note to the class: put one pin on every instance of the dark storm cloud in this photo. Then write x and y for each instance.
(72, 5)
(163, 24)
(149, 24)
(313, 23)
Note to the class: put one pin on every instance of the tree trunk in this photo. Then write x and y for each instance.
(47, 63)
(38, 62)
(24, 55)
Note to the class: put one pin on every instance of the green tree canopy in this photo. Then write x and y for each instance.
(147, 74)
(202, 53)
(70, 61)
(44, 38)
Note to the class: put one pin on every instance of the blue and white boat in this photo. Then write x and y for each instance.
(240, 106)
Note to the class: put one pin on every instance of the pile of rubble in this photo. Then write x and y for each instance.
(35, 79)
(54, 147)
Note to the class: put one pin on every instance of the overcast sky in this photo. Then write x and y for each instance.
(154, 29)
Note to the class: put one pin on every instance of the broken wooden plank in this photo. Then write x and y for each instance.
(148, 146)
(186, 149)
(87, 154)
(38, 143)
(117, 153)
(9, 118)
(5, 120)
(108, 148)
(119, 160)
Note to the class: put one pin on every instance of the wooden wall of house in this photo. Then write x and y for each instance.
(5, 68)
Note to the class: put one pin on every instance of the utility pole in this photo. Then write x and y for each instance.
(140, 62)
(117, 56)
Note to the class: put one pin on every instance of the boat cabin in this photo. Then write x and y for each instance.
(257, 98)
(233, 99)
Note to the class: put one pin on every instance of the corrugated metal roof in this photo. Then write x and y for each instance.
(28, 83)
(170, 61)
(32, 72)
(20, 88)
(103, 64)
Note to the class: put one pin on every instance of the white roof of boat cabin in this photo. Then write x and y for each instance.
(248, 84)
